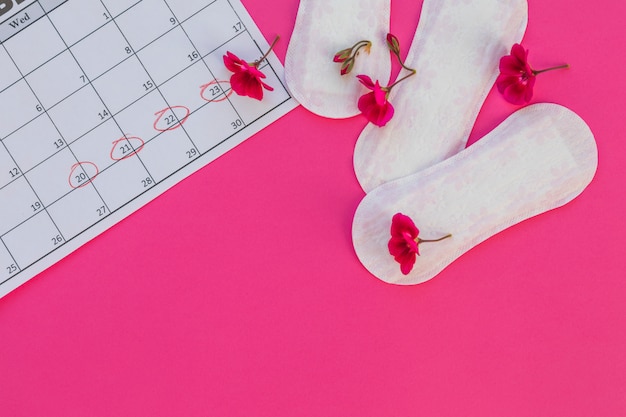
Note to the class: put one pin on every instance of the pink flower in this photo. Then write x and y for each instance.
(374, 105)
(517, 78)
(246, 78)
(405, 241)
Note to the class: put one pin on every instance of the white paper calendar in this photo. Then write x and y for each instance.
(105, 104)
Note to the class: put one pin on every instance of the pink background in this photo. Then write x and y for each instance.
(237, 293)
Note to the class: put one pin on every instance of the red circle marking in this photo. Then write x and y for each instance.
(88, 168)
(204, 87)
(135, 142)
(171, 109)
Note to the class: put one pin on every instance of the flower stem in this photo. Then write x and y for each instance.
(413, 72)
(397, 54)
(435, 240)
(359, 45)
(535, 72)
(258, 61)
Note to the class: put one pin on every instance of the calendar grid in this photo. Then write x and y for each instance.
(226, 91)
(100, 27)
(155, 86)
(67, 145)
(90, 83)
(43, 206)
(97, 182)
(205, 64)
(241, 33)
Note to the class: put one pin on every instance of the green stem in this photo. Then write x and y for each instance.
(258, 62)
(535, 72)
(413, 72)
(434, 240)
(359, 45)
(397, 54)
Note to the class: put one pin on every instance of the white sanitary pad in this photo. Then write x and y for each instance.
(456, 52)
(540, 158)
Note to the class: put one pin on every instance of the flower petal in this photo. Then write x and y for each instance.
(517, 93)
(401, 223)
(519, 53)
(385, 115)
(407, 265)
(255, 72)
(504, 81)
(366, 81)
(397, 246)
(509, 65)
(380, 95)
(267, 87)
(232, 62)
(254, 89)
(245, 85)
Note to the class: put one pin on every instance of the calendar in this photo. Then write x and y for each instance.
(105, 104)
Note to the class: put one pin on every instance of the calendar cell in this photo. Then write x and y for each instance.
(139, 118)
(79, 113)
(122, 182)
(41, 235)
(56, 79)
(141, 31)
(123, 85)
(8, 266)
(34, 142)
(209, 36)
(19, 203)
(189, 87)
(92, 16)
(51, 179)
(251, 110)
(213, 124)
(101, 51)
(18, 106)
(97, 145)
(8, 71)
(176, 47)
(184, 9)
(173, 143)
(31, 48)
(77, 211)
(9, 170)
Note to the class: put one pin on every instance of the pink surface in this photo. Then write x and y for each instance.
(238, 293)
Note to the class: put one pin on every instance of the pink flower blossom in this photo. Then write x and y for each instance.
(246, 78)
(374, 105)
(405, 241)
(517, 78)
